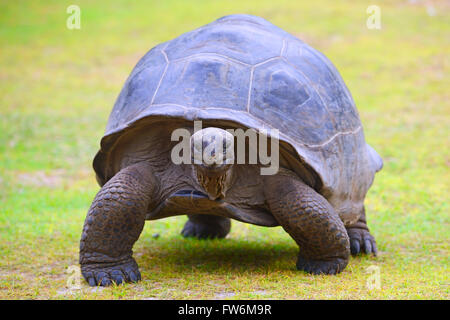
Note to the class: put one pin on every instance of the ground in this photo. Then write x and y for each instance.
(57, 87)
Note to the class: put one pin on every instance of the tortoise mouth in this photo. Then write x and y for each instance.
(214, 169)
(213, 180)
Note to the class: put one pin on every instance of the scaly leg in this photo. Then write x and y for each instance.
(204, 226)
(113, 224)
(312, 222)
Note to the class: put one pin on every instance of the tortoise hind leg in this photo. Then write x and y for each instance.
(114, 223)
(312, 222)
(361, 241)
(204, 226)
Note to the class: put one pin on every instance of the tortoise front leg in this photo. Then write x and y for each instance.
(312, 222)
(114, 223)
(360, 238)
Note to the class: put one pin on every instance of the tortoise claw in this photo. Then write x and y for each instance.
(361, 241)
(354, 246)
(107, 275)
(331, 267)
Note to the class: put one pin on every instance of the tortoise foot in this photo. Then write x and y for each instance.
(105, 275)
(206, 229)
(334, 266)
(361, 241)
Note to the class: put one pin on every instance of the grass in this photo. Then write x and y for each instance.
(57, 87)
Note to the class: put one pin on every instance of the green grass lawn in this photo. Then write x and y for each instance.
(57, 87)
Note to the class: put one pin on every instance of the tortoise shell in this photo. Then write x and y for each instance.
(245, 70)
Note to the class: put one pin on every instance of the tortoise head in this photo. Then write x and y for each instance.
(212, 151)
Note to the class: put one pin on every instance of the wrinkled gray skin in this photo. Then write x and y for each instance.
(237, 72)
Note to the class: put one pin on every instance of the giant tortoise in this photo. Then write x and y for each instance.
(243, 73)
